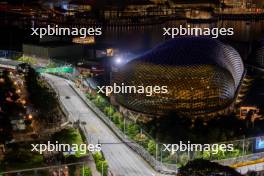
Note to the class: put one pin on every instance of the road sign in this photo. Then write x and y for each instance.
(56, 70)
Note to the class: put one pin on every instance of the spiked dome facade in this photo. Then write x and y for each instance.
(260, 55)
(202, 75)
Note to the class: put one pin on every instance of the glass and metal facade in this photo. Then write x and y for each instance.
(260, 55)
(202, 76)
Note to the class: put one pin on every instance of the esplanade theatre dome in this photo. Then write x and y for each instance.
(202, 75)
(260, 55)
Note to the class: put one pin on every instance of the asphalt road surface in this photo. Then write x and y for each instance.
(122, 160)
(254, 167)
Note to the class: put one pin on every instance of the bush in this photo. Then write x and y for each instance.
(87, 171)
(152, 147)
(109, 111)
(117, 117)
(132, 130)
(98, 157)
(90, 96)
(102, 166)
(100, 102)
(28, 60)
(69, 136)
(101, 163)
(121, 124)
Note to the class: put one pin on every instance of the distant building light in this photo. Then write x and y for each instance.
(244, 110)
(30, 117)
(86, 40)
(110, 52)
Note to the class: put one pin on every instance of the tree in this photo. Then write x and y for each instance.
(22, 158)
(67, 136)
(201, 167)
(42, 97)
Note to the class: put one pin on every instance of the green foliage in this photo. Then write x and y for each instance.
(87, 171)
(98, 157)
(235, 153)
(51, 64)
(102, 166)
(100, 102)
(152, 147)
(69, 136)
(206, 155)
(220, 154)
(22, 158)
(109, 111)
(116, 117)
(132, 130)
(28, 60)
(141, 138)
(42, 97)
(183, 158)
(90, 96)
(101, 163)
(121, 124)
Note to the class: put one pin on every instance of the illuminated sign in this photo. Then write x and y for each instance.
(56, 70)
(259, 143)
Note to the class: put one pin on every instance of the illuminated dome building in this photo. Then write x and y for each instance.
(202, 75)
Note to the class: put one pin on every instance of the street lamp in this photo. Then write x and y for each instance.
(30, 116)
(18, 91)
(23, 102)
(118, 60)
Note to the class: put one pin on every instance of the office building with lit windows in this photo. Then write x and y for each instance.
(203, 77)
